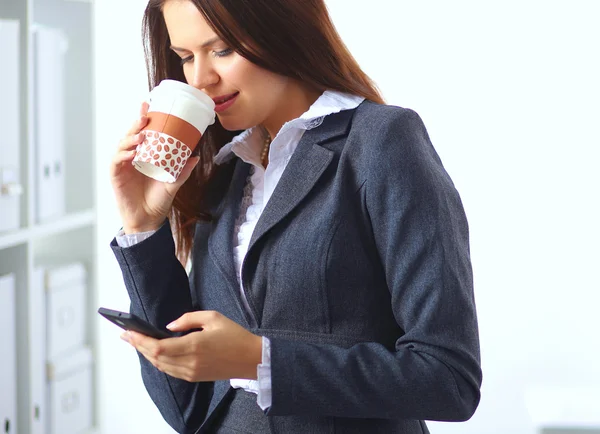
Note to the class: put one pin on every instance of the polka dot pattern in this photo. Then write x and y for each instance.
(164, 152)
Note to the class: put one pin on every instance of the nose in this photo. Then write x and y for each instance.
(204, 75)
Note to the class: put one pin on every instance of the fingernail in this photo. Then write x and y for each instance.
(125, 337)
(172, 325)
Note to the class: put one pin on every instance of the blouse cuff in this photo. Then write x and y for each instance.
(265, 395)
(128, 240)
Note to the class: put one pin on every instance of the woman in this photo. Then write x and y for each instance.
(330, 269)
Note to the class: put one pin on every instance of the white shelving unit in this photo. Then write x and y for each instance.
(71, 237)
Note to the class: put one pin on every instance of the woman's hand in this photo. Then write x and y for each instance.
(221, 351)
(143, 202)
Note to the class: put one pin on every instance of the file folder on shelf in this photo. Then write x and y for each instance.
(70, 392)
(65, 298)
(8, 361)
(50, 48)
(65, 295)
(10, 185)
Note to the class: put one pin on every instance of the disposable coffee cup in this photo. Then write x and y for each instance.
(178, 117)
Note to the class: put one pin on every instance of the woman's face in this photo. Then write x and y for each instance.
(245, 94)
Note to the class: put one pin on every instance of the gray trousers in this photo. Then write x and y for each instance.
(241, 415)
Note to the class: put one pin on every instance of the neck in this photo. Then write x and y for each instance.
(298, 100)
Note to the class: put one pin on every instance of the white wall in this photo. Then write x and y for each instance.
(509, 92)
(124, 405)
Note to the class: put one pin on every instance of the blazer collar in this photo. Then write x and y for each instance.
(330, 102)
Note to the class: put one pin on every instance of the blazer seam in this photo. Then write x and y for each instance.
(325, 282)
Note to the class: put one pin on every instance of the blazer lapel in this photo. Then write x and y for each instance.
(220, 243)
(306, 166)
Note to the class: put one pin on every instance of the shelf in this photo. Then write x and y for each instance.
(12, 239)
(67, 223)
(72, 221)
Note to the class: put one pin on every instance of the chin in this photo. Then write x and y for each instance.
(232, 124)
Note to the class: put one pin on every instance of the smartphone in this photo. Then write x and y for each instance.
(131, 322)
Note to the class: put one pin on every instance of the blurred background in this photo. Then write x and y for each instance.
(509, 92)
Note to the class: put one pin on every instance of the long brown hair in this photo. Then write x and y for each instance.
(294, 38)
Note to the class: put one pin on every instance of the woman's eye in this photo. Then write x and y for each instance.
(186, 60)
(223, 53)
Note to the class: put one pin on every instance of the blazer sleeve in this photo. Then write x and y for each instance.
(158, 288)
(421, 236)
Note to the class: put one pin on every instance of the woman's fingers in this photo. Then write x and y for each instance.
(130, 142)
(162, 349)
(194, 320)
(133, 138)
(152, 350)
(144, 109)
(223, 349)
(178, 357)
(123, 156)
(142, 121)
(175, 369)
(120, 158)
(137, 126)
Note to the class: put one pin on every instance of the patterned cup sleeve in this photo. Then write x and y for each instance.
(161, 156)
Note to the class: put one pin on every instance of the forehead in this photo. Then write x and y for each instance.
(186, 25)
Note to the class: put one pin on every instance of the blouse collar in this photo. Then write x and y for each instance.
(248, 143)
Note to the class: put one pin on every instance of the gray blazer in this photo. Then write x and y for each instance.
(359, 273)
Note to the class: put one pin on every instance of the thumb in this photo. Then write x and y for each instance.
(188, 321)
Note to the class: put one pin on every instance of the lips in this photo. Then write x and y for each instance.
(224, 98)
(223, 102)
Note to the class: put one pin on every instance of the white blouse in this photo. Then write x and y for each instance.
(258, 190)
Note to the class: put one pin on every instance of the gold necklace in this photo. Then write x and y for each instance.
(264, 154)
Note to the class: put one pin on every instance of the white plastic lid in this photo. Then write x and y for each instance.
(184, 101)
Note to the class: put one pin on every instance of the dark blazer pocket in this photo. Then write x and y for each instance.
(311, 337)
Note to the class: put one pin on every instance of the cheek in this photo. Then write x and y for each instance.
(273, 92)
(264, 86)
(238, 73)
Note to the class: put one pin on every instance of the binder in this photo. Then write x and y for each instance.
(70, 392)
(65, 274)
(65, 295)
(38, 413)
(10, 185)
(8, 361)
(50, 47)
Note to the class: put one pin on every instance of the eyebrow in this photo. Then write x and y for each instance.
(204, 45)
